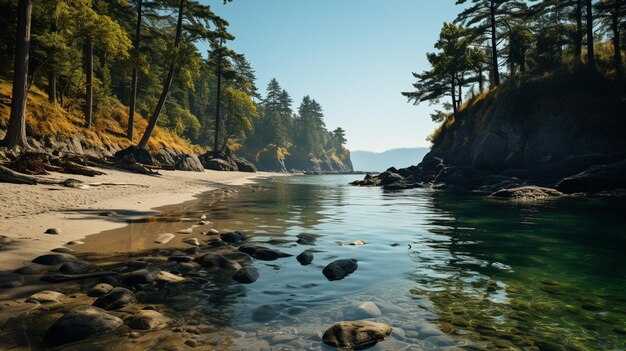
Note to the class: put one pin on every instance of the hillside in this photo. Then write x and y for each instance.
(380, 161)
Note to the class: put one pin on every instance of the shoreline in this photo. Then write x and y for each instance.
(29, 210)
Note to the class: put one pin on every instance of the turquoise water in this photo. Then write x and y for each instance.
(445, 270)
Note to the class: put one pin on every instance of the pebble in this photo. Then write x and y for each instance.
(46, 296)
(53, 231)
(185, 231)
(192, 241)
(164, 238)
(76, 242)
(99, 290)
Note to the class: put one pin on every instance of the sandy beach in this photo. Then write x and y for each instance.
(27, 211)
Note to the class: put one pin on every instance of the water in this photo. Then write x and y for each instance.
(445, 270)
(487, 273)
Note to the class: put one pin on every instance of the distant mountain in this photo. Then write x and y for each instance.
(378, 162)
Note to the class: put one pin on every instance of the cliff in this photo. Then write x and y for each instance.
(565, 130)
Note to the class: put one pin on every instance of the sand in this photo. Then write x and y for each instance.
(27, 211)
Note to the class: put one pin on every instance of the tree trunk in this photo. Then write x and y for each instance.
(453, 94)
(481, 84)
(133, 84)
(460, 100)
(617, 55)
(218, 102)
(16, 132)
(494, 43)
(143, 144)
(578, 34)
(89, 83)
(591, 58)
(52, 86)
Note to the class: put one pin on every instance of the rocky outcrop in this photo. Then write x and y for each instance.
(189, 162)
(552, 132)
(527, 193)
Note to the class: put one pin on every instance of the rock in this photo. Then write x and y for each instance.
(33, 269)
(164, 238)
(99, 290)
(185, 231)
(595, 179)
(244, 165)
(75, 267)
(45, 296)
(305, 258)
(307, 239)
(192, 241)
(80, 323)
(217, 164)
(356, 335)
(233, 237)
(190, 163)
(140, 276)
(53, 231)
(147, 320)
(10, 280)
(4, 240)
(62, 250)
(246, 275)
(214, 261)
(54, 259)
(180, 259)
(167, 277)
(368, 310)
(389, 178)
(266, 313)
(138, 155)
(115, 299)
(527, 193)
(339, 269)
(212, 232)
(75, 242)
(402, 185)
(204, 223)
(358, 243)
(262, 253)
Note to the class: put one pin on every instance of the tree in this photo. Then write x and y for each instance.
(16, 132)
(339, 138)
(591, 57)
(133, 85)
(612, 14)
(482, 16)
(239, 112)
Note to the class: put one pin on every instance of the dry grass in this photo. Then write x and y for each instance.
(110, 123)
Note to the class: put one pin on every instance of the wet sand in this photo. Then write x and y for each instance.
(27, 211)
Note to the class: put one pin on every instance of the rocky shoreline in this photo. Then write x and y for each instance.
(69, 300)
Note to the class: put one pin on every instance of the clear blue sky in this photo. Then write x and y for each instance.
(353, 56)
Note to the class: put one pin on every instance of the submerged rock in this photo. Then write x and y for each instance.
(214, 261)
(356, 335)
(115, 299)
(246, 275)
(266, 313)
(339, 269)
(81, 323)
(147, 320)
(75, 267)
(307, 239)
(233, 237)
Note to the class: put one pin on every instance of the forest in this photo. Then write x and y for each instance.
(139, 62)
(505, 42)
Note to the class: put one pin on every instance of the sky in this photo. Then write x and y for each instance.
(354, 57)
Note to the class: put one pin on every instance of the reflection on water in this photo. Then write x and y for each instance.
(488, 273)
(444, 270)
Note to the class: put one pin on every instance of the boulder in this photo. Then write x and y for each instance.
(527, 193)
(147, 320)
(189, 162)
(389, 178)
(217, 164)
(356, 335)
(115, 299)
(54, 259)
(11, 280)
(246, 275)
(138, 155)
(80, 323)
(339, 269)
(244, 165)
(53, 231)
(595, 179)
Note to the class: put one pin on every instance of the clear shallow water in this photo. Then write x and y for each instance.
(444, 269)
